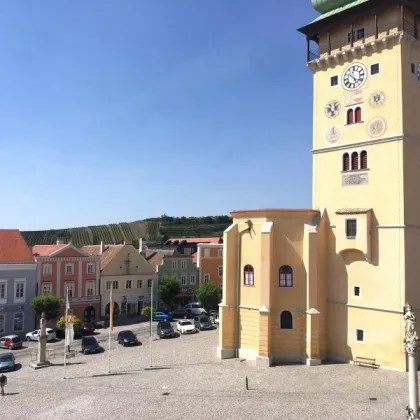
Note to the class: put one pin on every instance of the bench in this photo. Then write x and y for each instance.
(365, 361)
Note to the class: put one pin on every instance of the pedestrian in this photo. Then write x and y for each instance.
(3, 382)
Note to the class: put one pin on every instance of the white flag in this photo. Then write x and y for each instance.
(69, 331)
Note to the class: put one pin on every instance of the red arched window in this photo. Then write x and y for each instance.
(248, 275)
(286, 276)
(350, 116)
(358, 114)
(354, 161)
(363, 160)
(346, 162)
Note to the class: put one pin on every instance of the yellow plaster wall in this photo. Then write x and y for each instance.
(249, 329)
(288, 342)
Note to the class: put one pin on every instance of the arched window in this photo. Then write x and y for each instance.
(286, 320)
(350, 116)
(363, 160)
(354, 161)
(358, 114)
(286, 276)
(346, 162)
(248, 275)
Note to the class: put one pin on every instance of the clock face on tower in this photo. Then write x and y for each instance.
(354, 76)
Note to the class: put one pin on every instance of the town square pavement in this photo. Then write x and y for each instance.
(187, 381)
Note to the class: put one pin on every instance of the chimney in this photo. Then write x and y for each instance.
(60, 242)
(102, 248)
(141, 246)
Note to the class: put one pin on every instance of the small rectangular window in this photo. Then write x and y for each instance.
(149, 283)
(351, 228)
(356, 291)
(220, 271)
(360, 336)
(359, 34)
(206, 278)
(413, 68)
(220, 253)
(139, 284)
(128, 284)
(206, 252)
(2, 326)
(192, 279)
(374, 69)
(174, 264)
(334, 81)
(90, 268)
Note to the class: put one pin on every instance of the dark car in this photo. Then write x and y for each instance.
(202, 323)
(7, 362)
(88, 328)
(180, 313)
(127, 338)
(90, 345)
(164, 329)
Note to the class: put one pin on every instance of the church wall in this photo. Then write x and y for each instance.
(249, 329)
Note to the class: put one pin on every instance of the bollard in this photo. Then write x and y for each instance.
(246, 383)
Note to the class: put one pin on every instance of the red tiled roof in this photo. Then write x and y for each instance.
(45, 250)
(13, 248)
(155, 256)
(109, 252)
(212, 240)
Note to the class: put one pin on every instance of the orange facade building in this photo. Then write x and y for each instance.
(210, 264)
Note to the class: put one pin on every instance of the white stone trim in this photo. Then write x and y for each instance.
(264, 309)
(3, 301)
(17, 281)
(69, 246)
(20, 267)
(254, 308)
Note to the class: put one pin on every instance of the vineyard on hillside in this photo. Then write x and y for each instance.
(151, 230)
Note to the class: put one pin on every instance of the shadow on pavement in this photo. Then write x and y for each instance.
(10, 393)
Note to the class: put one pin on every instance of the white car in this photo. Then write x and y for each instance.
(185, 327)
(34, 335)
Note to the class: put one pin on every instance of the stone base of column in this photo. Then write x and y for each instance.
(313, 362)
(263, 361)
(223, 353)
(40, 365)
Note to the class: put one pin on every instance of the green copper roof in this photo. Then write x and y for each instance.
(331, 7)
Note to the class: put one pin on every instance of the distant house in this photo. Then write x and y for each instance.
(64, 266)
(130, 276)
(188, 246)
(18, 280)
(210, 263)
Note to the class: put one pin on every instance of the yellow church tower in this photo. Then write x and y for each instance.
(331, 281)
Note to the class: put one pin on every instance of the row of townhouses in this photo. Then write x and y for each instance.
(89, 273)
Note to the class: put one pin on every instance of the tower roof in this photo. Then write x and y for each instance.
(325, 6)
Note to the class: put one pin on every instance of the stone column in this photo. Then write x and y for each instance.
(410, 346)
(42, 346)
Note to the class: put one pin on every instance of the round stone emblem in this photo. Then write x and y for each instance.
(333, 135)
(332, 109)
(377, 99)
(377, 127)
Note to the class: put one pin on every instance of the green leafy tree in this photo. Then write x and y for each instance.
(208, 294)
(47, 303)
(168, 288)
(77, 325)
(147, 310)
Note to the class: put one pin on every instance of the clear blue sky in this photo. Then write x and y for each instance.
(115, 111)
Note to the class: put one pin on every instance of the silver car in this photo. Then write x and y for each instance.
(195, 309)
(7, 362)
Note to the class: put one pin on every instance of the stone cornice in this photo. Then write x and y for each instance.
(92, 259)
(17, 266)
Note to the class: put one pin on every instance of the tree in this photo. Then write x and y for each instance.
(147, 310)
(208, 294)
(77, 325)
(47, 303)
(168, 288)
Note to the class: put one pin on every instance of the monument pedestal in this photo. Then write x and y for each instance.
(40, 365)
(42, 361)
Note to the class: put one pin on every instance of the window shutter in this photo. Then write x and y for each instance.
(346, 162)
(354, 161)
(358, 114)
(363, 160)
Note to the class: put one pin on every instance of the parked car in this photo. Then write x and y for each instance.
(7, 362)
(216, 319)
(185, 327)
(90, 345)
(88, 328)
(127, 338)
(161, 316)
(34, 335)
(164, 329)
(195, 309)
(202, 322)
(99, 324)
(181, 313)
(11, 342)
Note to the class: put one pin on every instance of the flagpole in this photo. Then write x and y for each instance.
(111, 325)
(151, 318)
(65, 332)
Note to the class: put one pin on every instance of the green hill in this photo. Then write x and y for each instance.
(157, 229)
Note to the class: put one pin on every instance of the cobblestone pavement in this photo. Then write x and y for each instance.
(189, 382)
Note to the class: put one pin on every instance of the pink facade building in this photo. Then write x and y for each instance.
(64, 266)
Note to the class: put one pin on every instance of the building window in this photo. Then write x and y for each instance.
(192, 279)
(354, 115)
(18, 321)
(360, 336)
(115, 284)
(149, 283)
(286, 320)
(183, 279)
(356, 291)
(350, 116)
(2, 323)
(70, 287)
(183, 265)
(47, 288)
(90, 268)
(139, 284)
(357, 35)
(108, 285)
(374, 69)
(334, 81)
(47, 269)
(358, 115)
(128, 284)
(206, 278)
(174, 264)
(413, 68)
(346, 162)
(363, 160)
(351, 228)
(3, 291)
(354, 161)
(206, 252)
(19, 291)
(220, 270)
(248, 275)
(90, 288)
(286, 276)
(220, 253)
(69, 268)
